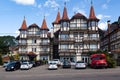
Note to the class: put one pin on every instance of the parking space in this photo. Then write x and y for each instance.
(42, 73)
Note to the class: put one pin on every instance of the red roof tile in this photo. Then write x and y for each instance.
(44, 25)
(57, 18)
(65, 16)
(24, 26)
(78, 15)
(92, 14)
(33, 25)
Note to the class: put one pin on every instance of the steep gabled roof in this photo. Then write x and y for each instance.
(57, 18)
(23, 26)
(44, 25)
(92, 14)
(33, 25)
(78, 15)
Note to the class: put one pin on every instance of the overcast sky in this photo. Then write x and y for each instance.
(12, 12)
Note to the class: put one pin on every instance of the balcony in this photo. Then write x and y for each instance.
(33, 35)
(66, 40)
(22, 52)
(22, 44)
(44, 43)
(91, 39)
(78, 28)
(44, 53)
(66, 50)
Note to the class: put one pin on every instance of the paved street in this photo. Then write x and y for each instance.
(41, 73)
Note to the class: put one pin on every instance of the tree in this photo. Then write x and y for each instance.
(16, 57)
(11, 58)
(1, 62)
(6, 42)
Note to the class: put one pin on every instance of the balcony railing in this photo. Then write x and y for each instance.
(67, 50)
(78, 28)
(66, 39)
(44, 52)
(91, 38)
(44, 43)
(22, 44)
(22, 52)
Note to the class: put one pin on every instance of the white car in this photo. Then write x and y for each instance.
(57, 61)
(52, 66)
(80, 65)
(26, 65)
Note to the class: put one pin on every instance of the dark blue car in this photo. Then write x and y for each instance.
(13, 66)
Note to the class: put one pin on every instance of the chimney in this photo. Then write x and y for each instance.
(108, 22)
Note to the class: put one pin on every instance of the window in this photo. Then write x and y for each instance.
(34, 41)
(65, 24)
(33, 49)
(23, 32)
(63, 46)
(64, 36)
(93, 46)
(75, 34)
(93, 23)
(23, 41)
(81, 34)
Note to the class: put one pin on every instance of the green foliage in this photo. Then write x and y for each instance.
(6, 42)
(16, 57)
(1, 62)
(11, 58)
(110, 60)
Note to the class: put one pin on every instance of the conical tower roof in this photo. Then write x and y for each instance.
(57, 18)
(44, 25)
(92, 13)
(65, 15)
(24, 25)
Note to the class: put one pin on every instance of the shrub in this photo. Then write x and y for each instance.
(111, 62)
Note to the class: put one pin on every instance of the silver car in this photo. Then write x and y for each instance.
(80, 65)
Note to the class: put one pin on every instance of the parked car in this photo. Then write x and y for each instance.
(57, 61)
(80, 65)
(52, 66)
(6, 63)
(26, 65)
(98, 61)
(66, 64)
(12, 66)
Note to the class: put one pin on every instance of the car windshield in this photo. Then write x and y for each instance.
(80, 62)
(56, 60)
(98, 58)
(11, 64)
(24, 63)
(52, 63)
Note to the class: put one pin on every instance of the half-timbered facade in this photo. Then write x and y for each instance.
(110, 40)
(76, 36)
(34, 40)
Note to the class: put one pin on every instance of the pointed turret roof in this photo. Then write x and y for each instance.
(44, 25)
(65, 16)
(23, 26)
(92, 13)
(57, 18)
